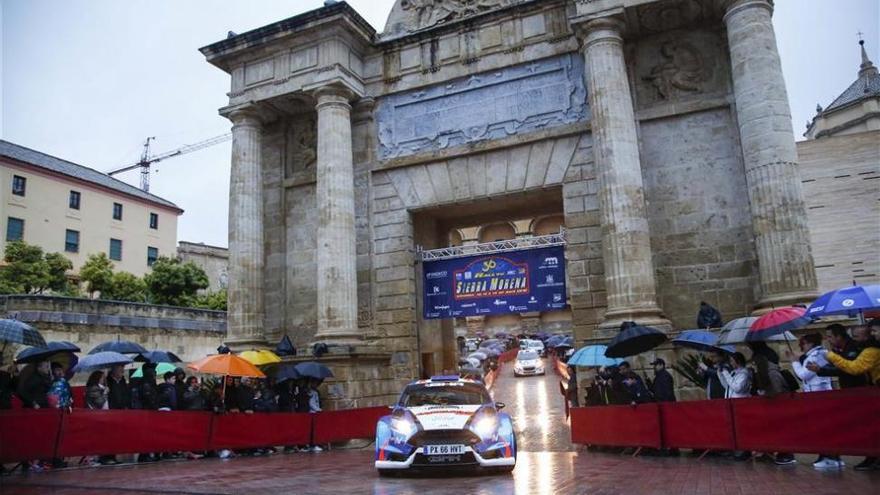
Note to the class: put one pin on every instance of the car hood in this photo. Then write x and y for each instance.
(443, 417)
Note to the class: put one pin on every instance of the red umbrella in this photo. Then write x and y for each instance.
(778, 321)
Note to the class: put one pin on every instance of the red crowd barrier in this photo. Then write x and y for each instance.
(508, 356)
(239, 431)
(337, 426)
(834, 422)
(29, 434)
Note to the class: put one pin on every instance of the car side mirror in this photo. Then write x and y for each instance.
(499, 405)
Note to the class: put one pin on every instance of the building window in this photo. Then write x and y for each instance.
(14, 229)
(154, 220)
(115, 250)
(117, 211)
(152, 255)
(19, 184)
(71, 241)
(73, 202)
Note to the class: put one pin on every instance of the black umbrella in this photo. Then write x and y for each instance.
(286, 372)
(120, 346)
(634, 339)
(285, 347)
(312, 369)
(159, 357)
(19, 332)
(37, 354)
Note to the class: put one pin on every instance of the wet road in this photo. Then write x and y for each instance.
(547, 464)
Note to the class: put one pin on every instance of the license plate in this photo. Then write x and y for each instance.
(444, 449)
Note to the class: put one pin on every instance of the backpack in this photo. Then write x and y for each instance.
(791, 382)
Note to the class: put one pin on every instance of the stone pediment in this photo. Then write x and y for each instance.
(409, 16)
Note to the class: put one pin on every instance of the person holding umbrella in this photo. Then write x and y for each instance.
(8, 385)
(118, 395)
(842, 344)
(34, 389)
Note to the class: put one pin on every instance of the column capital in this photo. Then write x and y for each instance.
(248, 115)
(333, 95)
(731, 7)
(598, 29)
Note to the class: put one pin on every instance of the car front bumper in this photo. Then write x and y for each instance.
(470, 458)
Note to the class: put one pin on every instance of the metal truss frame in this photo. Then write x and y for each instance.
(491, 247)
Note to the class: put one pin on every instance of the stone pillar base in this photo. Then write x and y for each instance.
(649, 317)
(246, 344)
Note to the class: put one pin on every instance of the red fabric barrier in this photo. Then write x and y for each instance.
(704, 424)
(507, 356)
(238, 430)
(337, 426)
(79, 396)
(819, 422)
(87, 432)
(28, 434)
(624, 426)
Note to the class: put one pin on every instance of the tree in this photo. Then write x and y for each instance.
(125, 286)
(97, 271)
(27, 270)
(174, 282)
(58, 265)
(212, 300)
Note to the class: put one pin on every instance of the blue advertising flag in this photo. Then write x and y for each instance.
(510, 282)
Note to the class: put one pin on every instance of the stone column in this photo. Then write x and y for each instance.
(337, 275)
(626, 240)
(779, 217)
(245, 289)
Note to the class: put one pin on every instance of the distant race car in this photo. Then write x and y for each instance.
(528, 362)
(445, 422)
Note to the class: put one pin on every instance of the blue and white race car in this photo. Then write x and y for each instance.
(444, 422)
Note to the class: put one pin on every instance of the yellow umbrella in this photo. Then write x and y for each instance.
(261, 357)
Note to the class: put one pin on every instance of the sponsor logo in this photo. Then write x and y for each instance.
(499, 302)
(557, 297)
(469, 305)
(532, 300)
(436, 275)
(847, 303)
(816, 309)
(518, 308)
(436, 290)
(551, 261)
(550, 279)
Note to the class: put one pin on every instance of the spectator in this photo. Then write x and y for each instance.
(714, 389)
(663, 386)
(286, 396)
(193, 399)
(843, 345)
(265, 399)
(147, 388)
(708, 316)
(245, 396)
(8, 385)
(769, 382)
(737, 382)
(34, 389)
(167, 397)
(572, 386)
(96, 391)
(180, 385)
(302, 395)
(60, 394)
(635, 389)
(314, 405)
(118, 396)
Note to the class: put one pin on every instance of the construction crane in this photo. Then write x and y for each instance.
(147, 160)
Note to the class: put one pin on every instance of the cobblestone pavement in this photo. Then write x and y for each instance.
(547, 464)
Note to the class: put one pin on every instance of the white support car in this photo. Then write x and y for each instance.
(528, 362)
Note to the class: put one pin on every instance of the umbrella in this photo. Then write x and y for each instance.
(98, 360)
(19, 332)
(312, 369)
(285, 347)
(846, 301)
(37, 354)
(226, 364)
(489, 342)
(634, 339)
(778, 321)
(260, 357)
(700, 340)
(288, 372)
(120, 346)
(592, 355)
(492, 352)
(480, 355)
(474, 362)
(738, 336)
(161, 369)
(160, 357)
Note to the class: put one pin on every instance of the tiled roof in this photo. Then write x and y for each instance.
(866, 86)
(70, 169)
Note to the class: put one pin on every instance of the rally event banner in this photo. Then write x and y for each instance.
(511, 282)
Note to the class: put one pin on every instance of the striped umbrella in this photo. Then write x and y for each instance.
(776, 322)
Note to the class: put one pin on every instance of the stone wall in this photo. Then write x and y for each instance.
(841, 179)
(212, 259)
(189, 333)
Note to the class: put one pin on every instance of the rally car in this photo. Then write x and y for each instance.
(445, 422)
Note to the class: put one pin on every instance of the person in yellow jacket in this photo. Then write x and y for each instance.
(867, 362)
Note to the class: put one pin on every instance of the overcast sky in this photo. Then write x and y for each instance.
(88, 80)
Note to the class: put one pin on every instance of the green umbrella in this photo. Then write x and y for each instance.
(161, 369)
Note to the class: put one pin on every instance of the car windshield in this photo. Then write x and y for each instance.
(446, 394)
(527, 355)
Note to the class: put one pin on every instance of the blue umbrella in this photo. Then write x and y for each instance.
(37, 354)
(846, 301)
(312, 369)
(19, 332)
(99, 360)
(699, 340)
(592, 355)
(159, 357)
(634, 339)
(284, 373)
(120, 346)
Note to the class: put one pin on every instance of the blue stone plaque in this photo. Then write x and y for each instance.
(513, 100)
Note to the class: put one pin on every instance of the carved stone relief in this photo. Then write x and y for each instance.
(302, 146)
(426, 13)
(681, 69)
(665, 16)
(513, 100)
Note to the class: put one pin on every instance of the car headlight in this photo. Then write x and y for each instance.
(486, 426)
(403, 426)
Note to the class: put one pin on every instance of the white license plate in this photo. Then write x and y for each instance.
(444, 449)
